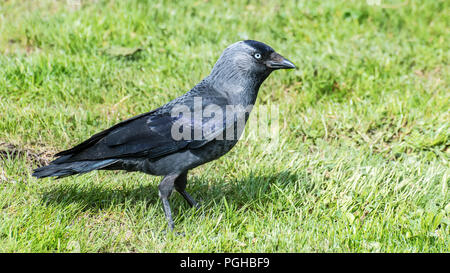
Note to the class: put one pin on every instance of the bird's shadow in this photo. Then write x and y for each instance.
(96, 197)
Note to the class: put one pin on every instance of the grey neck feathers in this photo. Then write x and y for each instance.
(232, 80)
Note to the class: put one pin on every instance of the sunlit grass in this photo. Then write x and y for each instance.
(362, 161)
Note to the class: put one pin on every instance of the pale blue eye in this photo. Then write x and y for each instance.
(257, 56)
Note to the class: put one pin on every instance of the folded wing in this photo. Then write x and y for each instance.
(147, 135)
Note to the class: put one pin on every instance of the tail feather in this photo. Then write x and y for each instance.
(71, 168)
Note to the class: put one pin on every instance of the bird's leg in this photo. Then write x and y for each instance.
(180, 186)
(165, 189)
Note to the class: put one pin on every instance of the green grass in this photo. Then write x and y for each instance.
(363, 161)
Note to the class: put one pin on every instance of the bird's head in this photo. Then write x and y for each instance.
(249, 59)
(258, 56)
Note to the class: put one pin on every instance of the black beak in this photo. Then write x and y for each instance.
(277, 61)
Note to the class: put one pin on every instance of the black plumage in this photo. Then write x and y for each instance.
(146, 142)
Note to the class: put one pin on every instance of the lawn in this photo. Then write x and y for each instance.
(362, 158)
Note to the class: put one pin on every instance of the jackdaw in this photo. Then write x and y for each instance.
(179, 136)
